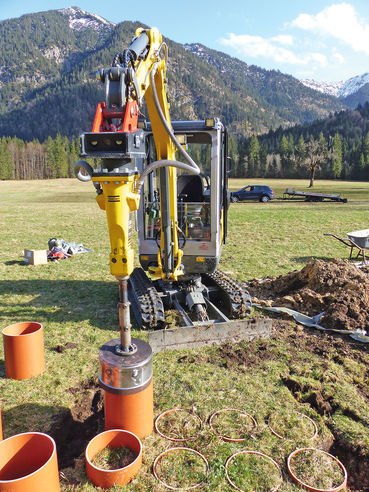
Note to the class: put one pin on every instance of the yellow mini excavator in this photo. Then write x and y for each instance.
(169, 181)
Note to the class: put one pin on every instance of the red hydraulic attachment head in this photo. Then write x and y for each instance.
(125, 119)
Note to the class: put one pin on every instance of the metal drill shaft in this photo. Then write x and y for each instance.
(124, 316)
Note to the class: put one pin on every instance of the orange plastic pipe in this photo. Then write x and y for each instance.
(132, 412)
(28, 463)
(24, 350)
(114, 439)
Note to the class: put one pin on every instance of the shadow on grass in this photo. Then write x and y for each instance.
(29, 417)
(71, 429)
(2, 369)
(15, 262)
(59, 301)
(305, 259)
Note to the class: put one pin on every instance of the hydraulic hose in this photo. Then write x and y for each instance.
(124, 58)
(191, 167)
(80, 166)
(166, 126)
(163, 163)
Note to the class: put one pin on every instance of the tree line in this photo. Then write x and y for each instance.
(333, 148)
(298, 159)
(34, 160)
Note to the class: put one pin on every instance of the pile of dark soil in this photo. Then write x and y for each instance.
(338, 288)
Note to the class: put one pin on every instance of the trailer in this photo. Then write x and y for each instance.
(310, 196)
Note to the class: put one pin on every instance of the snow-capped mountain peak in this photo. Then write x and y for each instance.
(80, 19)
(353, 85)
(330, 88)
(343, 88)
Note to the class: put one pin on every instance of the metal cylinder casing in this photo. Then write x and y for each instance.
(128, 388)
(125, 374)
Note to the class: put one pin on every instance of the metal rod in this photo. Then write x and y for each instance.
(166, 248)
(124, 316)
(184, 316)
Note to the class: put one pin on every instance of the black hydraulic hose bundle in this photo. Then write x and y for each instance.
(191, 167)
(137, 49)
(123, 59)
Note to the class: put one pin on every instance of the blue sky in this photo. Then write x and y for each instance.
(319, 39)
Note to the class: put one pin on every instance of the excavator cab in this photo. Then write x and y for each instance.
(201, 293)
(202, 199)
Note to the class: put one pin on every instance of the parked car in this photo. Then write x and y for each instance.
(253, 192)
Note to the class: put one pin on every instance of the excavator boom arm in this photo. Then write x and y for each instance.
(145, 76)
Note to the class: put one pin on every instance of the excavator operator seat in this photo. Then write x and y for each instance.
(191, 206)
(190, 188)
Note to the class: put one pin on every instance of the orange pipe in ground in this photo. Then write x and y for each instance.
(28, 463)
(114, 439)
(131, 411)
(24, 350)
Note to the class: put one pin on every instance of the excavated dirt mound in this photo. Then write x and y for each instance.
(338, 288)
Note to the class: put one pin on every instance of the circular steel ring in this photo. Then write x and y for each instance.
(176, 439)
(310, 487)
(248, 451)
(231, 439)
(161, 455)
(288, 439)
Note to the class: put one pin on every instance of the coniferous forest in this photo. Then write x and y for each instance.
(283, 153)
(53, 158)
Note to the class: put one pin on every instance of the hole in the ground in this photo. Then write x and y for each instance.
(74, 428)
(355, 463)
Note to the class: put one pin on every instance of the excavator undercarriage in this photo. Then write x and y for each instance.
(207, 298)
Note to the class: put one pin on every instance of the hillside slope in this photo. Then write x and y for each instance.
(48, 61)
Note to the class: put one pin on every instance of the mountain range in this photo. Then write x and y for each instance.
(344, 90)
(47, 85)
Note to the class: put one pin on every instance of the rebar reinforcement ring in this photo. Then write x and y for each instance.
(176, 439)
(170, 450)
(257, 453)
(233, 439)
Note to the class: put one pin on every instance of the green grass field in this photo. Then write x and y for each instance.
(76, 299)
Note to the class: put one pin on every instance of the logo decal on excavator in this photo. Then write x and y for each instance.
(113, 198)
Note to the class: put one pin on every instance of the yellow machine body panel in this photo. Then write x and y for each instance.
(118, 199)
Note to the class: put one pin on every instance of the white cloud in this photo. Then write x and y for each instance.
(257, 46)
(319, 58)
(284, 39)
(339, 21)
(338, 58)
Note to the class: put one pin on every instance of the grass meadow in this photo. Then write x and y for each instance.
(76, 299)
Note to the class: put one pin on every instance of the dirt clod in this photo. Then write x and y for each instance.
(337, 287)
(62, 348)
(232, 356)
